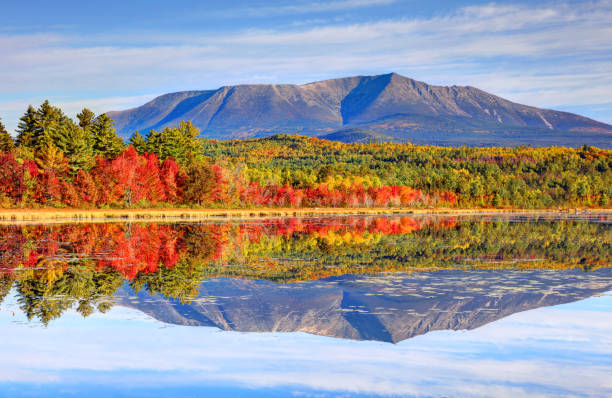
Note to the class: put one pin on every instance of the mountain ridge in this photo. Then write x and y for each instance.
(390, 104)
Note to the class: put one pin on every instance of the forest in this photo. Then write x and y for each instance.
(57, 267)
(58, 162)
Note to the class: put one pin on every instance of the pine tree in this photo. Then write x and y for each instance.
(6, 141)
(106, 142)
(53, 126)
(42, 127)
(86, 119)
(78, 148)
(180, 143)
(26, 129)
(138, 142)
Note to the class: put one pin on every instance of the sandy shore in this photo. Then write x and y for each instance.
(102, 215)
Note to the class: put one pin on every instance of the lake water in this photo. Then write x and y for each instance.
(322, 306)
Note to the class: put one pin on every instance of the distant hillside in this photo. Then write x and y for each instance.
(390, 106)
(353, 135)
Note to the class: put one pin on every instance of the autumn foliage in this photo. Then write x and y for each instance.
(54, 266)
(132, 179)
(57, 162)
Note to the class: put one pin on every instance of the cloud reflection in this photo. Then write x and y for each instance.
(563, 350)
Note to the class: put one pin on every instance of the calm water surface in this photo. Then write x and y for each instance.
(342, 306)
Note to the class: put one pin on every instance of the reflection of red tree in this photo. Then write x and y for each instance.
(133, 248)
(256, 230)
(129, 249)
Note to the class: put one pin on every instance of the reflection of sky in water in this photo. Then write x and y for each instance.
(554, 351)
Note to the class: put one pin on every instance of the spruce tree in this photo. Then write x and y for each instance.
(106, 142)
(180, 143)
(138, 142)
(26, 129)
(76, 144)
(6, 141)
(86, 119)
(51, 126)
(42, 127)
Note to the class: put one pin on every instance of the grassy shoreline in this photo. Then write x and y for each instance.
(177, 214)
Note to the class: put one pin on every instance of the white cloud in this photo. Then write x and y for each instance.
(303, 8)
(556, 54)
(565, 349)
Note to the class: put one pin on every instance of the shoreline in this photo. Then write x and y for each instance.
(12, 216)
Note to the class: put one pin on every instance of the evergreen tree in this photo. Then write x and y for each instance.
(180, 142)
(42, 127)
(76, 144)
(106, 142)
(6, 141)
(51, 126)
(138, 142)
(26, 129)
(86, 119)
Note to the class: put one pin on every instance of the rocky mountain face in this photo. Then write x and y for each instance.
(390, 105)
(388, 308)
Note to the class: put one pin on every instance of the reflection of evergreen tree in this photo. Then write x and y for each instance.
(47, 298)
(6, 283)
(181, 282)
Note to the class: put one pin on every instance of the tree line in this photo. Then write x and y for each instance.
(55, 161)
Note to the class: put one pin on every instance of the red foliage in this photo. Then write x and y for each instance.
(169, 176)
(48, 187)
(11, 177)
(131, 178)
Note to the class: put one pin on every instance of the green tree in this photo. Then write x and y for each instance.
(43, 127)
(180, 142)
(6, 141)
(76, 144)
(138, 142)
(50, 125)
(106, 142)
(26, 129)
(86, 119)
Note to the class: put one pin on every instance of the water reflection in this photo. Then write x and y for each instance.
(172, 271)
(386, 308)
(404, 280)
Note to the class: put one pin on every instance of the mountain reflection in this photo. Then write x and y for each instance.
(387, 308)
(381, 278)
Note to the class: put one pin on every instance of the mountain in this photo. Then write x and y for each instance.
(390, 105)
(386, 307)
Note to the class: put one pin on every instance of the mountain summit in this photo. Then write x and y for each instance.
(390, 106)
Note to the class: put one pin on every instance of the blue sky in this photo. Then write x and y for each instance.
(117, 54)
(564, 350)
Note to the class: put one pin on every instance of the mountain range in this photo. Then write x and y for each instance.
(386, 107)
(386, 307)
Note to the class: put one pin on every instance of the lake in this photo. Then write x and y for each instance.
(482, 305)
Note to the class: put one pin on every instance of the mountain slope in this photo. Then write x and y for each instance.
(390, 104)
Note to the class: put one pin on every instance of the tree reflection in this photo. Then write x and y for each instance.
(81, 266)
